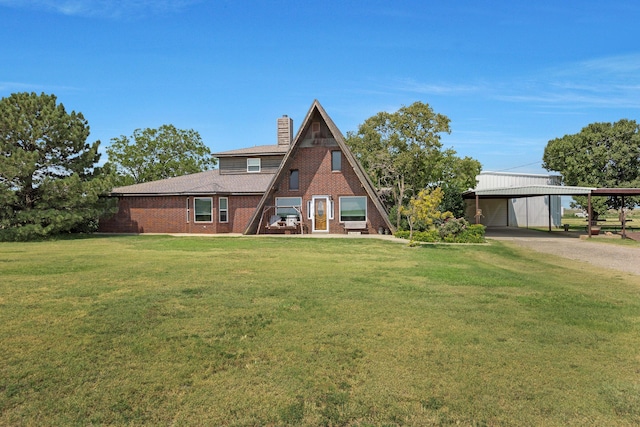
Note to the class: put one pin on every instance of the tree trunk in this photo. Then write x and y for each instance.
(399, 200)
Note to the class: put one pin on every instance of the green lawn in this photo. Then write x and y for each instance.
(185, 331)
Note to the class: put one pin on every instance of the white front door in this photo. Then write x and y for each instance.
(320, 216)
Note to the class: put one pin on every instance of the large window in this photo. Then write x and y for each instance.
(353, 208)
(203, 207)
(223, 209)
(294, 180)
(253, 165)
(336, 160)
(286, 206)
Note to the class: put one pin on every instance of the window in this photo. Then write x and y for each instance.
(203, 207)
(336, 160)
(253, 165)
(353, 209)
(223, 209)
(294, 183)
(285, 206)
(315, 130)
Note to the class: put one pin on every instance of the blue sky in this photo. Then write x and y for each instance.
(510, 75)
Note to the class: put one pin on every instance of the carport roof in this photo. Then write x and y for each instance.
(528, 191)
(616, 192)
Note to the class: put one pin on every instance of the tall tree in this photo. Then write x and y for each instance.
(403, 154)
(48, 180)
(152, 154)
(455, 175)
(600, 155)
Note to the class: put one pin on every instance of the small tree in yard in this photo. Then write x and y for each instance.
(425, 207)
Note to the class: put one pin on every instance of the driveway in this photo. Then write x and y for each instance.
(569, 245)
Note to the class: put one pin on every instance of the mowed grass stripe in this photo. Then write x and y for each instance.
(155, 330)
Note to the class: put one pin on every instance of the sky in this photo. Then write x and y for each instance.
(511, 75)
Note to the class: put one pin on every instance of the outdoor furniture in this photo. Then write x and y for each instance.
(355, 226)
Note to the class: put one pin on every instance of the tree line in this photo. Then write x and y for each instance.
(51, 182)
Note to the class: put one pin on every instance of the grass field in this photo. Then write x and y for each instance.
(155, 330)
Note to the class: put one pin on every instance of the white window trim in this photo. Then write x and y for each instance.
(220, 210)
(366, 207)
(258, 164)
(195, 220)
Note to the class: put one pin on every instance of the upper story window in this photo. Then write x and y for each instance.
(294, 180)
(336, 160)
(253, 165)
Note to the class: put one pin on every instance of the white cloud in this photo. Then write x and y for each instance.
(11, 87)
(410, 85)
(112, 9)
(609, 82)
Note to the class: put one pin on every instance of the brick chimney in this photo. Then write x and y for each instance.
(285, 130)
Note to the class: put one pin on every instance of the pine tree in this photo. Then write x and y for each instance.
(49, 183)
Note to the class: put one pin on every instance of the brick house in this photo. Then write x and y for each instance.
(308, 184)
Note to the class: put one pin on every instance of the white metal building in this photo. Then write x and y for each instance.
(523, 210)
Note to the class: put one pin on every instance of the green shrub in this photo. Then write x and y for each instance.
(451, 228)
(469, 234)
(420, 236)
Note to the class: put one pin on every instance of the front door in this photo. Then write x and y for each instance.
(320, 213)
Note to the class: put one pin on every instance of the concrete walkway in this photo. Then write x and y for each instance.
(570, 245)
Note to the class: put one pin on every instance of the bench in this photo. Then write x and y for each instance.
(355, 226)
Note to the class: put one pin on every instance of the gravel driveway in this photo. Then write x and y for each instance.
(569, 245)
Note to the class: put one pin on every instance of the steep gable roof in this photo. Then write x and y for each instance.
(351, 160)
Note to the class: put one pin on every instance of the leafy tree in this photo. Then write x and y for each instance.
(152, 154)
(600, 155)
(456, 175)
(403, 154)
(48, 180)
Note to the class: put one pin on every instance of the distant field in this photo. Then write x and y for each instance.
(611, 220)
(154, 330)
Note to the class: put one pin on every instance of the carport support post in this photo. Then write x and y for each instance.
(623, 218)
(477, 208)
(589, 215)
(549, 198)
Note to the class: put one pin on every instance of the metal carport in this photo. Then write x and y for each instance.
(550, 190)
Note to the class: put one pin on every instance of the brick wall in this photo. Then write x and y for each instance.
(168, 214)
(317, 179)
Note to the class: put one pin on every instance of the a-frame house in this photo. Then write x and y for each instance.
(320, 184)
(310, 183)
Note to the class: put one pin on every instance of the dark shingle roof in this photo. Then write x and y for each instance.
(263, 150)
(208, 182)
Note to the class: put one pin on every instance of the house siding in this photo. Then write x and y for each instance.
(168, 214)
(238, 165)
